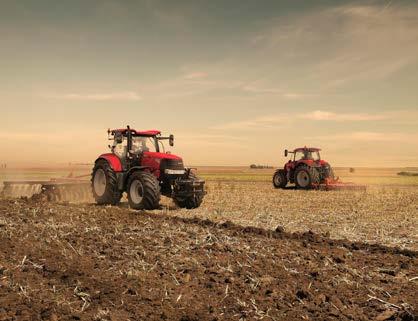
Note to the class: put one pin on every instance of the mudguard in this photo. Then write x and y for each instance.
(113, 161)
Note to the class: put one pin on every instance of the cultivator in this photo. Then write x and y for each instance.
(71, 189)
(337, 185)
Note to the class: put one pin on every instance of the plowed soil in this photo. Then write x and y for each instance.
(84, 262)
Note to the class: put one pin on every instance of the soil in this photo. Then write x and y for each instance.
(85, 262)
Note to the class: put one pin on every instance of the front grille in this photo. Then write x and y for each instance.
(176, 164)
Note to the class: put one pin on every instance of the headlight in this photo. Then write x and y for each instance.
(175, 171)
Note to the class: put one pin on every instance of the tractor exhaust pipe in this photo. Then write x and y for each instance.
(129, 137)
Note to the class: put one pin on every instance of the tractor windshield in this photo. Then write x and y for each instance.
(139, 144)
(306, 154)
(144, 144)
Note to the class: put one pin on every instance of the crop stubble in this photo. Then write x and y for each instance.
(84, 262)
(383, 214)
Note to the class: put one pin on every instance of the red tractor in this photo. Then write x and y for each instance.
(139, 165)
(305, 169)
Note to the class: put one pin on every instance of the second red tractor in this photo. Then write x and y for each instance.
(139, 166)
(305, 169)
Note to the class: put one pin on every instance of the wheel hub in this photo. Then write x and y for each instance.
(277, 180)
(303, 179)
(136, 192)
(99, 182)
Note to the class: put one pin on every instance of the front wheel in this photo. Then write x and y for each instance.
(143, 191)
(279, 179)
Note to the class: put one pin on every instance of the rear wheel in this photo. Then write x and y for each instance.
(143, 191)
(105, 184)
(279, 179)
(306, 177)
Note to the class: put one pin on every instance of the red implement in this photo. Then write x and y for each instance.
(337, 185)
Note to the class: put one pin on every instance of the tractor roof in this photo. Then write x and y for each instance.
(309, 149)
(134, 132)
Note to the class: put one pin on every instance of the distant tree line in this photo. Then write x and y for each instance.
(254, 166)
(407, 174)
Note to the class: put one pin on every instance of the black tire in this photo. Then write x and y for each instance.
(306, 177)
(143, 191)
(280, 179)
(190, 202)
(111, 194)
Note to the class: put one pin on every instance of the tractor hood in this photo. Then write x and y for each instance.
(160, 156)
(163, 163)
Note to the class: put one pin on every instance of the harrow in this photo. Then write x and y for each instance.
(337, 185)
(71, 189)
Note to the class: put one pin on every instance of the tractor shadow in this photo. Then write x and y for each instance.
(289, 188)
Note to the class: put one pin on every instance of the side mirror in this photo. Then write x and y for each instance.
(171, 140)
(286, 152)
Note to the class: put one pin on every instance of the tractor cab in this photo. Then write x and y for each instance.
(307, 155)
(143, 148)
(304, 154)
(128, 142)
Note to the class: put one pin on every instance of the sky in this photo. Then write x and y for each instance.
(235, 81)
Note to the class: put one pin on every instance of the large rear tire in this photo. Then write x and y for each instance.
(306, 177)
(143, 191)
(104, 184)
(279, 179)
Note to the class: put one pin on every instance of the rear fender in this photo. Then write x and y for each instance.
(114, 161)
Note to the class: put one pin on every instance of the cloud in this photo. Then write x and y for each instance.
(43, 136)
(341, 45)
(259, 90)
(326, 115)
(280, 120)
(115, 96)
(196, 75)
(276, 91)
(258, 123)
(313, 53)
(367, 136)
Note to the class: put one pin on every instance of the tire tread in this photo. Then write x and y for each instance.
(112, 195)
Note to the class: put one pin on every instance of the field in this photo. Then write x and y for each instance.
(249, 253)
